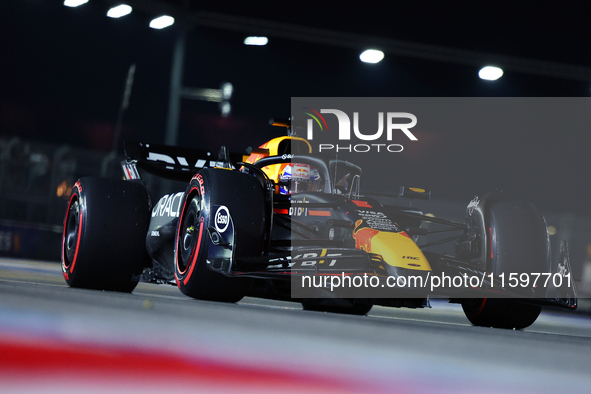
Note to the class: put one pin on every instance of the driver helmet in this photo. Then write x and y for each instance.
(297, 177)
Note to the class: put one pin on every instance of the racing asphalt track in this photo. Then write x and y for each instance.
(58, 339)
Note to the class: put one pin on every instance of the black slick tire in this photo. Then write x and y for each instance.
(244, 197)
(103, 244)
(501, 313)
(517, 241)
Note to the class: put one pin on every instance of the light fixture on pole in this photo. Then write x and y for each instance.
(253, 40)
(74, 3)
(161, 22)
(221, 96)
(371, 56)
(119, 11)
(490, 73)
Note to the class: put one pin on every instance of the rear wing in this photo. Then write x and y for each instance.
(174, 162)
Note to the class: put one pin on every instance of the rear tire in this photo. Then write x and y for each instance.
(244, 198)
(103, 243)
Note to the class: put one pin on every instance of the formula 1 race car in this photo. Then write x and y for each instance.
(258, 225)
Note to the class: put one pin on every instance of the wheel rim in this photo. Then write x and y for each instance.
(72, 231)
(188, 235)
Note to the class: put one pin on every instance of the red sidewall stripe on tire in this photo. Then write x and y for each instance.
(70, 268)
(66, 266)
(195, 252)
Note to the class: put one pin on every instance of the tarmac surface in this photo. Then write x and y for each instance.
(58, 339)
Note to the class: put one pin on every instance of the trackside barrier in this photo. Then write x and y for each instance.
(30, 240)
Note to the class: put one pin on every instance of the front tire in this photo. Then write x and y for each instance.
(500, 313)
(517, 241)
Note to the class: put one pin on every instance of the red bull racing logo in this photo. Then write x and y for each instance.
(363, 235)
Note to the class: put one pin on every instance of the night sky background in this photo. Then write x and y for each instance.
(63, 73)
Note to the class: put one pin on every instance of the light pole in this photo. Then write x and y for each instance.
(124, 105)
(177, 91)
(176, 77)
